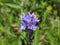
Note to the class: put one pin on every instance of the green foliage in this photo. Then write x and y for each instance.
(48, 12)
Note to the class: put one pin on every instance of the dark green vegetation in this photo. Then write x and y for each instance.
(48, 12)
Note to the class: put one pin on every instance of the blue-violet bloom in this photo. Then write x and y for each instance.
(28, 21)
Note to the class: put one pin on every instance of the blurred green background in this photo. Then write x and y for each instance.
(48, 12)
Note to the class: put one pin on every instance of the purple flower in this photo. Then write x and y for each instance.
(28, 21)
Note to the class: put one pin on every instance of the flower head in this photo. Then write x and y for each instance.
(28, 21)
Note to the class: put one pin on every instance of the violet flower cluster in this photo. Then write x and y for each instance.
(28, 21)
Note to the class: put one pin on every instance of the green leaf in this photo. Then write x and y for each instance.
(36, 37)
(13, 5)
